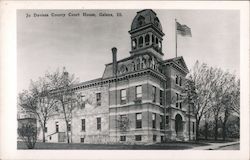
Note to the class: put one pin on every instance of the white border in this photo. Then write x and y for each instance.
(8, 82)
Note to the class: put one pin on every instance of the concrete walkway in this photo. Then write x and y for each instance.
(215, 146)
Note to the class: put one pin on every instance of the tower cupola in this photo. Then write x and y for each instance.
(146, 34)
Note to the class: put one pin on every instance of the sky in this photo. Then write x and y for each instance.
(83, 44)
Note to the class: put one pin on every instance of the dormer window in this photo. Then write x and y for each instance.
(156, 21)
(141, 21)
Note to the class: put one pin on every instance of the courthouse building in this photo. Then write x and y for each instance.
(137, 100)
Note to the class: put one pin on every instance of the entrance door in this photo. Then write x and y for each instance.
(178, 125)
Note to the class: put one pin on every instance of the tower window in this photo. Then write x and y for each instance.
(153, 39)
(156, 40)
(147, 39)
(140, 42)
(134, 44)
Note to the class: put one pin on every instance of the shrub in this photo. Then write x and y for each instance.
(28, 133)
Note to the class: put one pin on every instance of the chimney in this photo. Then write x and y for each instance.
(114, 55)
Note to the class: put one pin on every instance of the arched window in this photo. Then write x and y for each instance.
(147, 39)
(134, 44)
(153, 39)
(156, 40)
(140, 42)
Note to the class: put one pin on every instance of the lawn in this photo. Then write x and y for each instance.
(79, 146)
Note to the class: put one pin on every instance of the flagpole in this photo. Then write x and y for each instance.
(175, 37)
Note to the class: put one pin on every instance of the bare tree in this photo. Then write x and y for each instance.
(201, 79)
(221, 98)
(39, 102)
(230, 101)
(63, 92)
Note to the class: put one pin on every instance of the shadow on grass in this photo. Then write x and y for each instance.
(79, 146)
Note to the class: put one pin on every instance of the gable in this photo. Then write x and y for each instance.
(180, 61)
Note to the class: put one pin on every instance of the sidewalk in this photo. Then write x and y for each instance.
(214, 146)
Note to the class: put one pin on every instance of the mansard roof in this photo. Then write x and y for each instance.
(146, 17)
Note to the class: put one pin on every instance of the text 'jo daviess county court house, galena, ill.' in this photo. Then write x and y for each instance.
(138, 99)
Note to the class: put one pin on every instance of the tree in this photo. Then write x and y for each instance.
(201, 80)
(28, 133)
(219, 98)
(39, 101)
(230, 101)
(63, 93)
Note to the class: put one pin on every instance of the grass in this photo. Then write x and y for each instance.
(79, 146)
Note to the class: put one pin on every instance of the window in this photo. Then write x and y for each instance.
(167, 120)
(176, 79)
(162, 138)
(98, 99)
(161, 122)
(138, 92)
(161, 97)
(99, 125)
(153, 120)
(177, 99)
(154, 93)
(147, 39)
(83, 99)
(83, 125)
(154, 137)
(193, 126)
(153, 39)
(123, 96)
(82, 140)
(140, 42)
(180, 81)
(57, 126)
(138, 120)
(69, 126)
(138, 138)
(134, 44)
(122, 138)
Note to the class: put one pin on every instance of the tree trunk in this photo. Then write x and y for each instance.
(67, 132)
(224, 134)
(43, 128)
(206, 130)
(197, 129)
(216, 130)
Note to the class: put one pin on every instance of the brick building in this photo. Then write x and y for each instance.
(137, 100)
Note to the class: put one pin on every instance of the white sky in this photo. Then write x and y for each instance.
(83, 44)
